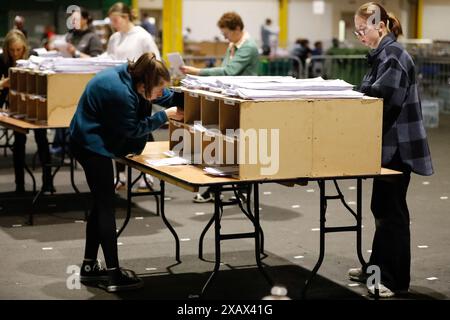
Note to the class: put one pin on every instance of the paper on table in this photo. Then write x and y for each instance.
(222, 171)
(176, 62)
(167, 162)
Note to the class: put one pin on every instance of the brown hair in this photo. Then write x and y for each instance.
(393, 25)
(11, 37)
(230, 20)
(121, 9)
(148, 71)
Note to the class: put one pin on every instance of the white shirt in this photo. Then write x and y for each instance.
(132, 44)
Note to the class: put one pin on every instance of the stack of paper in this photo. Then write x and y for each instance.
(267, 87)
(174, 161)
(69, 65)
(222, 171)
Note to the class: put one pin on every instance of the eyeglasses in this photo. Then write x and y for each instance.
(361, 32)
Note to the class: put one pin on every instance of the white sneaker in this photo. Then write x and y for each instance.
(142, 186)
(383, 291)
(122, 181)
(357, 274)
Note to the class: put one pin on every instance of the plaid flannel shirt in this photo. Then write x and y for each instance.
(392, 76)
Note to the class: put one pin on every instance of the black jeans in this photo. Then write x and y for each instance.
(391, 247)
(20, 139)
(101, 224)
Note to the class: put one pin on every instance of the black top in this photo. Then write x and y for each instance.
(4, 68)
(86, 41)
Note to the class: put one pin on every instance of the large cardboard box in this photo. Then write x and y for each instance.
(47, 98)
(285, 139)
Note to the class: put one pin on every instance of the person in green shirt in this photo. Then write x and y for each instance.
(241, 58)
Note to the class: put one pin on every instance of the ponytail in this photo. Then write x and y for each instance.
(394, 25)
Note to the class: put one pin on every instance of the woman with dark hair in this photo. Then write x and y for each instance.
(392, 76)
(112, 121)
(15, 47)
(83, 42)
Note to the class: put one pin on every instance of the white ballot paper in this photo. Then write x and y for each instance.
(176, 62)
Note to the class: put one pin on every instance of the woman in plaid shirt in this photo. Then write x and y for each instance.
(392, 76)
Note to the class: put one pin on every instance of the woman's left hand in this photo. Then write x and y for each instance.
(174, 113)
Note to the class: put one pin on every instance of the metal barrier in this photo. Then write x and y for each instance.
(350, 68)
(268, 66)
(280, 66)
(433, 77)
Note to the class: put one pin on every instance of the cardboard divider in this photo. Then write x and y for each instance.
(32, 104)
(191, 108)
(22, 81)
(209, 110)
(175, 137)
(228, 115)
(22, 104)
(218, 149)
(31, 82)
(41, 84)
(13, 102)
(13, 75)
(41, 110)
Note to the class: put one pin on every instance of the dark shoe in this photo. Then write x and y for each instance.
(121, 280)
(48, 188)
(20, 189)
(92, 271)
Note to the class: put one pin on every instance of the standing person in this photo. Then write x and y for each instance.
(149, 24)
(129, 42)
(83, 41)
(269, 37)
(111, 121)
(392, 76)
(15, 47)
(19, 24)
(240, 59)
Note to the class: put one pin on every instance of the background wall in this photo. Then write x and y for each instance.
(436, 21)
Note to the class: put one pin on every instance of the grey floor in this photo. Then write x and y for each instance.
(37, 261)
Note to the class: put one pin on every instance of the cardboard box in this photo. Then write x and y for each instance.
(49, 99)
(290, 138)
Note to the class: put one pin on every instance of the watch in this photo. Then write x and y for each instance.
(77, 54)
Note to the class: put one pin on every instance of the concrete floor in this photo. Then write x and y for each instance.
(36, 261)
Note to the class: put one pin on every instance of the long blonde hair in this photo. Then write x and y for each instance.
(11, 37)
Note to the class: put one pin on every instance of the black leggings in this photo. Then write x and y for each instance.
(392, 241)
(20, 139)
(101, 224)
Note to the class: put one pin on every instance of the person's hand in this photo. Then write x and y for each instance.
(4, 83)
(71, 49)
(190, 70)
(174, 113)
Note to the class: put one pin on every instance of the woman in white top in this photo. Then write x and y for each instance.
(129, 41)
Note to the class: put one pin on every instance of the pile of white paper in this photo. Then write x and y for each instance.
(173, 161)
(69, 65)
(222, 171)
(268, 87)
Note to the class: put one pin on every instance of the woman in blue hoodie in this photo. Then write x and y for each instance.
(112, 120)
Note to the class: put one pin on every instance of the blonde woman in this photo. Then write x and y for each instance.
(15, 47)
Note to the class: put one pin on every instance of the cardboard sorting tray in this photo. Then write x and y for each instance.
(287, 138)
(49, 98)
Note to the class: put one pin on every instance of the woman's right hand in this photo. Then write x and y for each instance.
(4, 83)
(174, 113)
